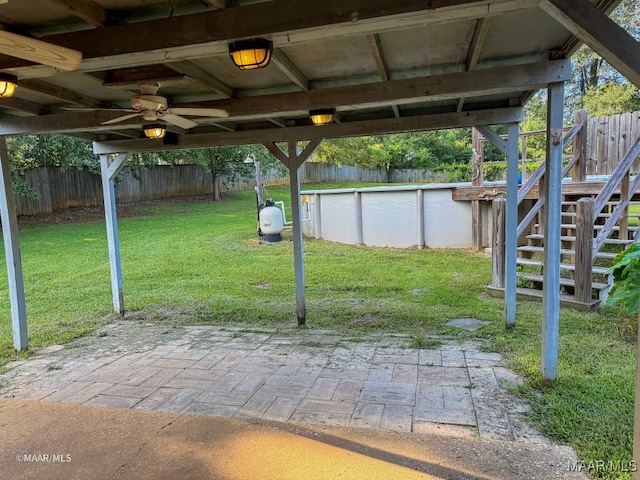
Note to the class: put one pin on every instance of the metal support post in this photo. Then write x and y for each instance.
(511, 228)
(298, 256)
(553, 206)
(12, 252)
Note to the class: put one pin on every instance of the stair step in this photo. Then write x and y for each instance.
(574, 203)
(603, 215)
(563, 251)
(572, 226)
(571, 238)
(536, 296)
(563, 266)
(565, 282)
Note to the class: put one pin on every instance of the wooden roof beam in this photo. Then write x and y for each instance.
(396, 92)
(600, 33)
(353, 129)
(438, 87)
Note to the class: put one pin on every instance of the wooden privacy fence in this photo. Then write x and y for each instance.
(609, 139)
(80, 188)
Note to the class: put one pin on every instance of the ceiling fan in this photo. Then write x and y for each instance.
(152, 108)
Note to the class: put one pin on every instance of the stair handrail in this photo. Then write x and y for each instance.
(537, 175)
(621, 171)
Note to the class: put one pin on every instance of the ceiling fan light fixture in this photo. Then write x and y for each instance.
(154, 130)
(8, 85)
(251, 54)
(322, 116)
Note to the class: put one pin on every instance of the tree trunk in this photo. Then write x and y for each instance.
(216, 186)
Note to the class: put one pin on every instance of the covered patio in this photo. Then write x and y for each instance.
(378, 67)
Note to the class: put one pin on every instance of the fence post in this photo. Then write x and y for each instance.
(498, 243)
(579, 172)
(583, 249)
(477, 179)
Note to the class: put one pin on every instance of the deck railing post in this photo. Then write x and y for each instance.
(583, 249)
(498, 238)
(579, 172)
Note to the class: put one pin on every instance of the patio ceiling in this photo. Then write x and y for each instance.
(384, 66)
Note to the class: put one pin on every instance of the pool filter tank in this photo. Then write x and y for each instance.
(270, 222)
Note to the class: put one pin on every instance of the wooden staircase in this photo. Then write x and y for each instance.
(530, 264)
(597, 222)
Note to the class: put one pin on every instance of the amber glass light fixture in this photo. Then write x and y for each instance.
(322, 116)
(155, 130)
(8, 85)
(251, 54)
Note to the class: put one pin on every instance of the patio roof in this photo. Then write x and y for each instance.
(439, 63)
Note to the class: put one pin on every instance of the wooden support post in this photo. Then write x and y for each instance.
(584, 249)
(579, 172)
(296, 217)
(553, 208)
(623, 233)
(525, 174)
(542, 188)
(511, 228)
(12, 252)
(293, 161)
(477, 180)
(109, 170)
(498, 243)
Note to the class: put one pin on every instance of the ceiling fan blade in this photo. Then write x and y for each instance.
(202, 112)
(89, 109)
(121, 119)
(38, 51)
(177, 120)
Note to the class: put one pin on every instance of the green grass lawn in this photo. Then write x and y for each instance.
(193, 264)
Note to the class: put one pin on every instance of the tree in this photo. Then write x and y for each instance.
(224, 162)
(33, 151)
(590, 71)
(611, 98)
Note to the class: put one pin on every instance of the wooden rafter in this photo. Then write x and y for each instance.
(475, 49)
(60, 93)
(220, 4)
(205, 78)
(88, 11)
(290, 69)
(376, 51)
(26, 106)
(600, 33)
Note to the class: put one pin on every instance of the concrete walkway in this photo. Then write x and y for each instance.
(373, 382)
